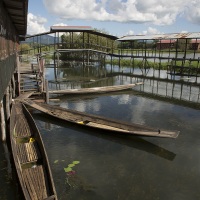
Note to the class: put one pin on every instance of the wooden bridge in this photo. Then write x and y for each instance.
(180, 52)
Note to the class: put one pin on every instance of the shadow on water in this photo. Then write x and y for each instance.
(127, 140)
(9, 186)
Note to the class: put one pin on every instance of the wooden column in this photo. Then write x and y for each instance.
(47, 91)
(3, 126)
(18, 75)
(13, 86)
(7, 103)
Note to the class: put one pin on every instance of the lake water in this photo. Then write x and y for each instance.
(113, 166)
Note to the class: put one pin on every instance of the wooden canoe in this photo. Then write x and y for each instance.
(95, 89)
(29, 156)
(98, 122)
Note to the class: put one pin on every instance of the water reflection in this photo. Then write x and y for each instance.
(77, 77)
(125, 167)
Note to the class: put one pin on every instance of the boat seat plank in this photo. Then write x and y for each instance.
(28, 152)
(28, 184)
(22, 128)
(52, 197)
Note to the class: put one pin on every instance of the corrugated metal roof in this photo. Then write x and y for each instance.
(87, 29)
(70, 28)
(160, 36)
(18, 14)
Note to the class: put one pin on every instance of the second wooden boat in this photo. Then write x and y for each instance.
(29, 156)
(98, 122)
(95, 89)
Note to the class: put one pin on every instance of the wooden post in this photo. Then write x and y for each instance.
(18, 75)
(58, 59)
(7, 104)
(42, 62)
(32, 68)
(47, 91)
(14, 86)
(3, 127)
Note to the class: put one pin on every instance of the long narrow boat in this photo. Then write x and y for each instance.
(29, 156)
(98, 122)
(95, 89)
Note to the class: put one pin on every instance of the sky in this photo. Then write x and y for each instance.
(116, 17)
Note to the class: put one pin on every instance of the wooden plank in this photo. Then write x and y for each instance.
(35, 182)
(28, 182)
(43, 184)
(25, 95)
(50, 198)
(3, 125)
(93, 124)
(38, 177)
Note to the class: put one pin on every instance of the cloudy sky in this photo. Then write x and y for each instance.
(117, 17)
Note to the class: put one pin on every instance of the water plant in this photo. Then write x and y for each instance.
(71, 173)
(70, 166)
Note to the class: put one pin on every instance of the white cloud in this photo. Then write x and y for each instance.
(151, 31)
(36, 24)
(157, 12)
(192, 11)
(131, 32)
(60, 24)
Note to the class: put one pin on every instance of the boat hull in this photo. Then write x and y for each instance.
(29, 156)
(98, 122)
(94, 90)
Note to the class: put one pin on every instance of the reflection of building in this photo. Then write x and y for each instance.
(165, 44)
(195, 44)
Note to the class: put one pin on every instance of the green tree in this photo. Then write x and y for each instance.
(183, 44)
(85, 40)
(24, 47)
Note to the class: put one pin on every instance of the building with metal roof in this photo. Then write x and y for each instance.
(161, 36)
(75, 29)
(13, 26)
(17, 10)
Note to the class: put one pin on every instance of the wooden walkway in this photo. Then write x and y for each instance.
(31, 76)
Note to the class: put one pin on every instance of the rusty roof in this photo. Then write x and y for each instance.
(161, 36)
(70, 28)
(17, 11)
(87, 29)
